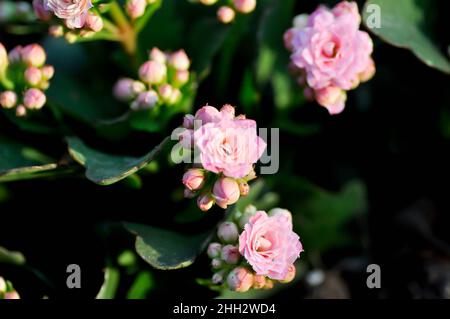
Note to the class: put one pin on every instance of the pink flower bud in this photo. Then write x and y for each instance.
(230, 254)
(188, 121)
(3, 58)
(181, 77)
(216, 263)
(287, 38)
(157, 55)
(244, 188)
(153, 72)
(186, 138)
(179, 60)
(228, 232)
(214, 250)
(135, 8)
(47, 72)
(175, 97)
(244, 6)
(226, 14)
(34, 99)
(205, 202)
(127, 89)
(41, 11)
(227, 111)
(56, 31)
(21, 111)
(33, 75)
(217, 278)
(145, 101)
(332, 98)
(194, 179)
(240, 279)
(259, 281)
(15, 55)
(187, 193)
(226, 192)
(290, 275)
(208, 2)
(207, 114)
(8, 99)
(33, 55)
(165, 91)
(368, 73)
(94, 22)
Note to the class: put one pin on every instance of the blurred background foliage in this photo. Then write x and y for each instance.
(366, 186)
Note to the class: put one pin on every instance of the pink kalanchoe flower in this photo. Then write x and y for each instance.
(32, 55)
(34, 99)
(244, 6)
(194, 179)
(179, 60)
(33, 75)
(226, 192)
(157, 55)
(332, 98)
(270, 245)
(153, 72)
(226, 14)
(135, 8)
(228, 232)
(205, 202)
(127, 89)
(240, 279)
(73, 11)
(228, 146)
(8, 99)
(47, 72)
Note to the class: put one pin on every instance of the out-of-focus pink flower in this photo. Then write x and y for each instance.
(41, 11)
(8, 99)
(157, 55)
(269, 245)
(244, 6)
(15, 55)
(94, 22)
(230, 254)
(145, 101)
(34, 99)
(332, 98)
(56, 31)
(227, 146)
(33, 55)
(240, 279)
(135, 8)
(127, 89)
(47, 72)
(194, 179)
(33, 75)
(226, 14)
(226, 192)
(181, 77)
(179, 60)
(188, 121)
(73, 11)
(259, 281)
(205, 202)
(153, 72)
(21, 110)
(214, 250)
(228, 232)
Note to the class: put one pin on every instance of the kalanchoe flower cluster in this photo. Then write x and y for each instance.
(225, 148)
(226, 13)
(7, 291)
(23, 78)
(71, 18)
(255, 250)
(161, 80)
(330, 55)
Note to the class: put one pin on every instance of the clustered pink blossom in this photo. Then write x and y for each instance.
(74, 12)
(254, 250)
(227, 147)
(330, 55)
(26, 80)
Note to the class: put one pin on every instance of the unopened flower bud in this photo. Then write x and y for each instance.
(216, 263)
(56, 31)
(205, 202)
(226, 192)
(165, 91)
(8, 99)
(188, 193)
(244, 6)
(226, 14)
(240, 279)
(33, 75)
(194, 179)
(332, 98)
(145, 101)
(15, 55)
(249, 211)
(179, 60)
(21, 111)
(175, 97)
(3, 59)
(41, 11)
(127, 89)
(94, 22)
(227, 111)
(34, 99)
(153, 72)
(214, 250)
(217, 278)
(228, 232)
(290, 275)
(181, 78)
(47, 72)
(282, 212)
(208, 2)
(135, 8)
(269, 284)
(157, 55)
(368, 73)
(207, 114)
(186, 138)
(33, 55)
(230, 254)
(188, 121)
(259, 281)
(244, 188)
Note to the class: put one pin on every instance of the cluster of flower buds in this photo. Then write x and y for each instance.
(136, 8)
(161, 80)
(23, 78)
(72, 19)
(225, 148)
(330, 55)
(254, 250)
(15, 11)
(226, 13)
(7, 290)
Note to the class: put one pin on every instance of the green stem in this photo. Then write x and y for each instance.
(126, 32)
(6, 83)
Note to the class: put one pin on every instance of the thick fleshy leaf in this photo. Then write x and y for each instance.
(11, 257)
(401, 25)
(106, 169)
(165, 249)
(111, 282)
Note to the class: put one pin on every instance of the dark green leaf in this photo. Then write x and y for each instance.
(110, 284)
(11, 257)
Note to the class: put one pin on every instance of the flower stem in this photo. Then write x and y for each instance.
(126, 32)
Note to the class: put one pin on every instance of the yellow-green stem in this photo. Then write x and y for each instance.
(127, 35)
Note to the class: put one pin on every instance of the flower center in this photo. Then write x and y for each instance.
(263, 244)
(330, 49)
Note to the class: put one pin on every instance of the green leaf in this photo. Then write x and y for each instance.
(110, 284)
(165, 249)
(11, 257)
(402, 26)
(141, 286)
(106, 169)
